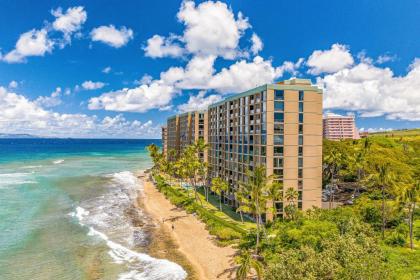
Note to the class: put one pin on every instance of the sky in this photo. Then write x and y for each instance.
(103, 69)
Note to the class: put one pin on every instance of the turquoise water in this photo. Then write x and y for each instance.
(66, 211)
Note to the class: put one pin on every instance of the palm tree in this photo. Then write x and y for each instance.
(333, 162)
(156, 156)
(410, 196)
(200, 146)
(384, 179)
(275, 193)
(291, 196)
(247, 263)
(241, 197)
(255, 188)
(219, 186)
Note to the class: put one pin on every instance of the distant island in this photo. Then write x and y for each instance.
(7, 135)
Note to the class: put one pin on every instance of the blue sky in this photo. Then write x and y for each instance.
(103, 69)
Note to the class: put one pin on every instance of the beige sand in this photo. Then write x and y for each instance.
(194, 241)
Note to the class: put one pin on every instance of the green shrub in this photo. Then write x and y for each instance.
(396, 239)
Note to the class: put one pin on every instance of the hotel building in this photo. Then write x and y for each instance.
(337, 127)
(275, 125)
(185, 129)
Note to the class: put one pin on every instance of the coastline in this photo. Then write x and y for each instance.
(189, 244)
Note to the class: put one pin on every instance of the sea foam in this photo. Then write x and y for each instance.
(105, 219)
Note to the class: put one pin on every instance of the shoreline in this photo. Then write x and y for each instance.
(189, 244)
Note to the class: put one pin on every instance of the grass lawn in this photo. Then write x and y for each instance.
(405, 262)
(227, 214)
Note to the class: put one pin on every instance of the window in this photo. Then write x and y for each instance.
(278, 162)
(278, 105)
(300, 185)
(278, 139)
(301, 129)
(300, 205)
(300, 95)
(300, 118)
(278, 172)
(263, 139)
(279, 206)
(300, 162)
(299, 195)
(278, 94)
(278, 151)
(263, 153)
(300, 173)
(300, 140)
(278, 117)
(300, 150)
(278, 128)
(300, 107)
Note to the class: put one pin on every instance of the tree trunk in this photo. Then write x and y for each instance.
(258, 226)
(410, 221)
(220, 202)
(242, 218)
(383, 212)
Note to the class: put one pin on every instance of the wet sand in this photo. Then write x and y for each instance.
(188, 243)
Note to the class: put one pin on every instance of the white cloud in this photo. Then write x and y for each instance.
(330, 61)
(21, 115)
(257, 44)
(31, 43)
(139, 99)
(90, 85)
(145, 80)
(199, 102)
(211, 28)
(385, 58)
(69, 22)
(211, 31)
(112, 36)
(373, 91)
(196, 74)
(159, 46)
(373, 130)
(107, 70)
(50, 101)
(244, 75)
(13, 84)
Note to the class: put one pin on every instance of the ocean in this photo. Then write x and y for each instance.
(66, 211)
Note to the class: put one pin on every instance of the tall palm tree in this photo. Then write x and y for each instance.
(291, 196)
(255, 188)
(156, 156)
(384, 179)
(275, 193)
(219, 186)
(409, 197)
(248, 263)
(333, 162)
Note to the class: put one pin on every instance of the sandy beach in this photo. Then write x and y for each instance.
(188, 235)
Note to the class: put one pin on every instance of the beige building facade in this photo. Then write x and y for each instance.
(185, 129)
(275, 125)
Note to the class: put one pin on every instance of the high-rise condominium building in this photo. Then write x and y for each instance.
(278, 126)
(185, 129)
(275, 125)
(337, 127)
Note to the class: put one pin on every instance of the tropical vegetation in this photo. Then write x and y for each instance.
(374, 234)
